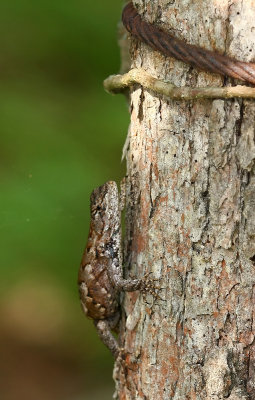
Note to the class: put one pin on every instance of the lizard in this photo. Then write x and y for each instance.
(100, 277)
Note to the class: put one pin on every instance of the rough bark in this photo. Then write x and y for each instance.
(190, 218)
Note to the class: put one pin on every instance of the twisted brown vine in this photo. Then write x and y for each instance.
(171, 46)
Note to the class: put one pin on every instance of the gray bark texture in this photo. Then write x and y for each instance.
(190, 218)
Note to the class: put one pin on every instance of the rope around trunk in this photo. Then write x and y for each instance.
(170, 46)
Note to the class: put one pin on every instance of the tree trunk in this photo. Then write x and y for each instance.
(190, 218)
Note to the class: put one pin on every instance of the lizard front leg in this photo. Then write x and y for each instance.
(115, 272)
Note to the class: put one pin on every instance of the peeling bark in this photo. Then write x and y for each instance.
(190, 218)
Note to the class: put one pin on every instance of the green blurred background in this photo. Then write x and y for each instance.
(61, 136)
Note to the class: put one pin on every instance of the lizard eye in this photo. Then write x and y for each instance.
(94, 209)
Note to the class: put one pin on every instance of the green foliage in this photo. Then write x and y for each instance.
(61, 136)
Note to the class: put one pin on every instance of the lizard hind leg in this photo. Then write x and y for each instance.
(104, 328)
